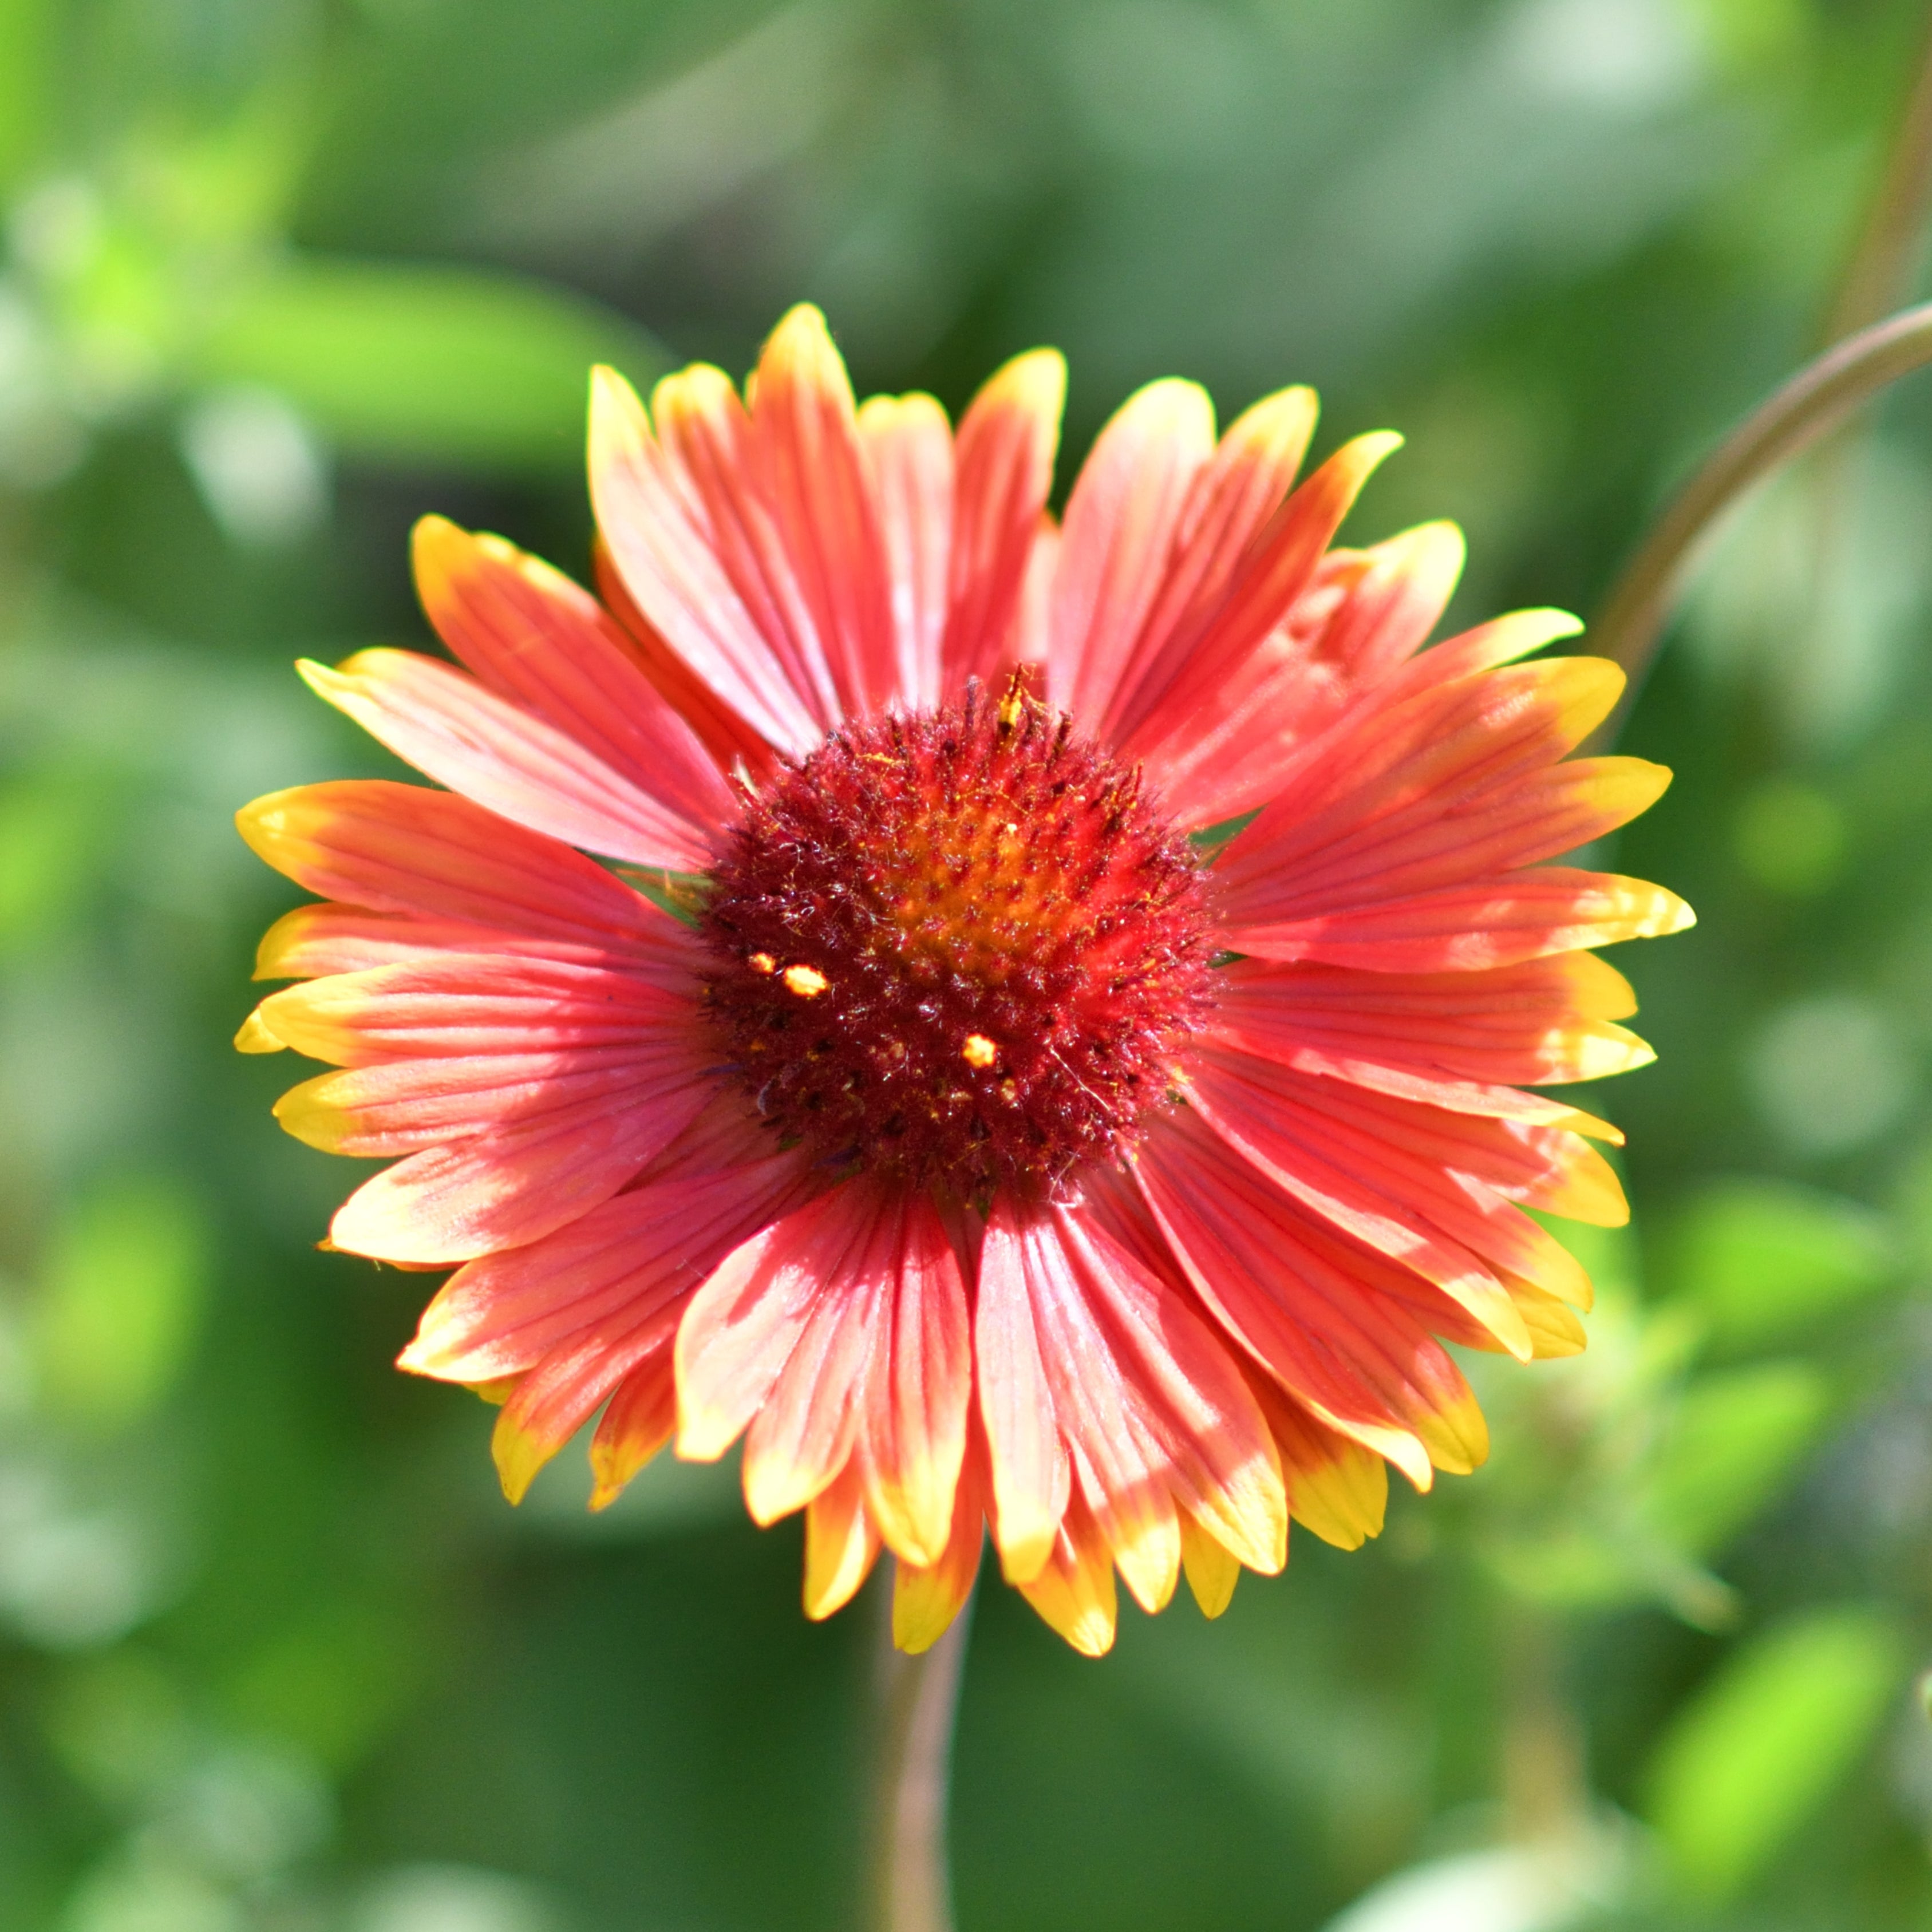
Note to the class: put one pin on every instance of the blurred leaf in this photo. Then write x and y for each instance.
(1763, 1260)
(1764, 1742)
(119, 1300)
(1732, 1443)
(429, 365)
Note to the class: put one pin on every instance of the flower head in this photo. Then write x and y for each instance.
(1043, 1051)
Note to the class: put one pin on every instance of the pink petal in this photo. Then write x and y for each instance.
(658, 517)
(463, 735)
(1542, 1021)
(1121, 523)
(909, 443)
(1004, 464)
(840, 1544)
(1318, 1312)
(1279, 567)
(544, 645)
(1498, 921)
(1363, 614)
(913, 1431)
(640, 1418)
(508, 1186)
(1232, 497)
(459, 1004)
(616, 1266)
(402, 848)
(1369, 1164)
(813, 472)
(1029, 1470)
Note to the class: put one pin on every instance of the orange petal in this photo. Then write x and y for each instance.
(840, 1544)
(1213, 1569)
(1074, 1592)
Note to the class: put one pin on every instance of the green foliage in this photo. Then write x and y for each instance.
(1729, 1450)
(1763, 1744)
(428, 364)
(1764, 1262)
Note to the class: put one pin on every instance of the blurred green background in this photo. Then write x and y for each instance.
(280, 275)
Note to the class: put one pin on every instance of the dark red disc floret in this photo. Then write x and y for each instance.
(959, 946)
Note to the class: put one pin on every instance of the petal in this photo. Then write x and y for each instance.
(806, 1429)
(1542, 1021)
(1122, 519)
(840, 1544)
(549, 1405)
(498, 1315)
(461, 733)
(640, 1418)
(1498, 921)
(1427, 1191)
(1279, 565)
(1004, 464)
(731, 741)
(313, 941)
(594, 1309)
(717, 456)
(1363, 614)
(458, 1005)
(1439, 752)
(813, 472)
(658, 520)
(785, 1334)
(909, 443)
(1233, 495)
(1029, 1469)
(912, 1434)
(406, 849)
(512, 1184)
(1326, 1319)
(1153, 1410)
(399, 1106)
(1073, 1592)
(1336, 1487)
(926, 1600)
(544, 645)
(1213, 1569)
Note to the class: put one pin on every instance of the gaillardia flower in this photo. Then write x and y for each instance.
(1038, 1045)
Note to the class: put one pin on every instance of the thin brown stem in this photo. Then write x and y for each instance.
(1884, 260)
(918, 1697)
(1814, 402)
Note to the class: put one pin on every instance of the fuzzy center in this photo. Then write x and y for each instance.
(958, 946)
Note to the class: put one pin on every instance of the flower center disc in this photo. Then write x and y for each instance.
(959, 946)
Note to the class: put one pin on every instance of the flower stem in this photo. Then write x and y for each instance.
(1878, 271)
(1816, 401)
(918, 1697)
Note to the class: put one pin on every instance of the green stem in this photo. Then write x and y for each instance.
(1815, 401)
(918, 1697)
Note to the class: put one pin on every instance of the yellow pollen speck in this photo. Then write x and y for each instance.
(807, 982)
(762, 962)
(979, 1051)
